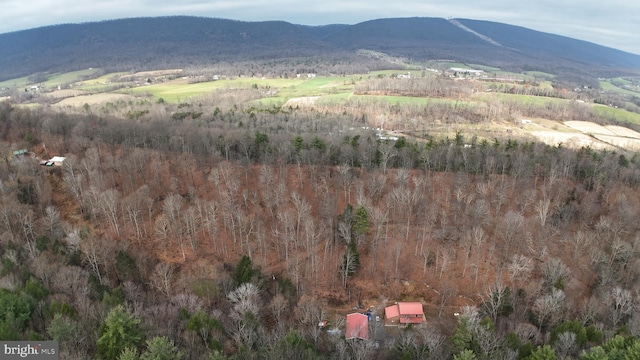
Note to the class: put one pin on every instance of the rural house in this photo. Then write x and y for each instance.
(357, 326)
(403, 313)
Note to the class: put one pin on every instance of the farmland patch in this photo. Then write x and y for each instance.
(92, 99)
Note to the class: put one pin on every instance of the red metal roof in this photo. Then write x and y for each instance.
(391, 311)
(357, 326)
(410, 308)
(406, 312)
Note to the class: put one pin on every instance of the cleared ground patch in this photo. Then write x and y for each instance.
(573, 140)
(302, 101)
(578, 134)
(589, 127)
(622, 142)
(623, 131)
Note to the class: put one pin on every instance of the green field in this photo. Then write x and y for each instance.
(347, 98)
(611, 86)
(485, 68)
(537, 101)
(539, 74)
(52, 80)
(176, 92)
(15, 83)
(616, 114)
(70, 77)
(99, 84)
(283, 88)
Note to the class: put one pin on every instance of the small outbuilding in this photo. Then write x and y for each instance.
(403, 313)
(57, 160)
(357, 326)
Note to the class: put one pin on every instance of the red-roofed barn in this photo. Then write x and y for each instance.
(403, 313)
(357, 326)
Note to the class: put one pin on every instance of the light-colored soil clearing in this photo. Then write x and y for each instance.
(623, 131)
(577, 134)
(568, 139)
(589, 127)
(623, 142)
(92, 99)
(301, 101)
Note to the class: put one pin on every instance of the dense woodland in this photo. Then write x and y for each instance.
(209, 230)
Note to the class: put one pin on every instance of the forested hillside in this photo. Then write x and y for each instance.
(231, 231)
(195, 42)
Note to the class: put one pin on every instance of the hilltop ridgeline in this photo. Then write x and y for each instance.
(181, 41)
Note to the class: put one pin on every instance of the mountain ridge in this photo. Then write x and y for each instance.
(145, 43)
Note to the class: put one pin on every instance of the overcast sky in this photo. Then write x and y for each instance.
(613, 23)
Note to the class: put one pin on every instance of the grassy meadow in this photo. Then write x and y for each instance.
(620, 115)
(15, 83)
(70, 77)
(616, 86)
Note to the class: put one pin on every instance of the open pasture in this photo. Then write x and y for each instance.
(177, 91)
(528, 100)
(95, 99)
(14, 83)
(620, 115)
(100, 84)
(70, 77)
(617, 87)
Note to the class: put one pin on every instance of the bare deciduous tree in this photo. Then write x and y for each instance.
(520, 267)
(162, 278)
(387, 152)
(542, 208)
(494, 300)
(555, 272)
(565, 345)
(52, 219)
(511, 226)
(621, 305)
(245, 299)
(548, 307)
(109, 206)
(449, 290)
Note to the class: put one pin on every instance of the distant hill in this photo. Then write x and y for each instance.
(544, 44)
(145, 43)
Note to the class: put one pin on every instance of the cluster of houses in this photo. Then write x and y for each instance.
(464, 72)
(398, 314)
